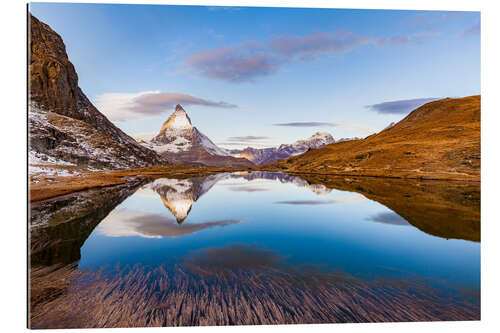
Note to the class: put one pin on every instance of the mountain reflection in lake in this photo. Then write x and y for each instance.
(256, 248)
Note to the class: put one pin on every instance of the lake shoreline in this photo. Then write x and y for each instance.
(383, 173)
(53, 187)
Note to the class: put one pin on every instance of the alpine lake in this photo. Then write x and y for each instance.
(256, 248)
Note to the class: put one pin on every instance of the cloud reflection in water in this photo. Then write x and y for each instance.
(127, 222)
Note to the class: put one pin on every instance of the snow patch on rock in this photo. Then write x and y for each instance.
(41, 158)
(177, 185)
(211, 147)
(177, 145)
(178, 135)
(39, 171)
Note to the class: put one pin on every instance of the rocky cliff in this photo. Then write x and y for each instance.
(64, 126)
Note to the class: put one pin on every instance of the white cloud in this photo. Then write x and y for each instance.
(125, 106)
(124, 222)
(118, 106)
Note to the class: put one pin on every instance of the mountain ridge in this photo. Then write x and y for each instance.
(63, 124)
(439, 140)
(261, 156)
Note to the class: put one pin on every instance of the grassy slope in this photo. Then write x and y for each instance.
(439, 140)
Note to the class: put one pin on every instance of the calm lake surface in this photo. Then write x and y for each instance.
(230, 241)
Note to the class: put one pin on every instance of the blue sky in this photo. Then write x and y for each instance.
(240, 72)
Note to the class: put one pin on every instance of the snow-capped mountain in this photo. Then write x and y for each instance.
(319, 139)
(181, 142)
(269, 155)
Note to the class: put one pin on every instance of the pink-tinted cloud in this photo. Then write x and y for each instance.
(403, 106)
(405, 39)
(125, 106)
(248, 138)
(315, 44)
(396, 40)
(473, 30)
(250, 60)
(158, 102)
(237, 63)
(432, 19)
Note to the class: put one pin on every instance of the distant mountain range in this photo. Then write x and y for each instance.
(269, 155)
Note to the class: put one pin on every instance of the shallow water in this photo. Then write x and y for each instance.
(221, 230)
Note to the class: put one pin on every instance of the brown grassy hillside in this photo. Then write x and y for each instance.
(447, 209)
(439, 140)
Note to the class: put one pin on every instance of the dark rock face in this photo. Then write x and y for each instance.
(53, 82)
(53, 88)
(58, 228)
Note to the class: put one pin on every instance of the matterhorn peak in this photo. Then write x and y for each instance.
(181, 142)
(178, 107)
(179, 120)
